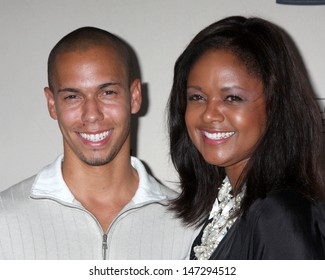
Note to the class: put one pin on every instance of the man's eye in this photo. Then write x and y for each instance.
(109, 92)
(71, 96)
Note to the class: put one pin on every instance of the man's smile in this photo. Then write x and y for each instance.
(95, 137)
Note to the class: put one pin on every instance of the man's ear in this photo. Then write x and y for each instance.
(136, 96)
(50, 103)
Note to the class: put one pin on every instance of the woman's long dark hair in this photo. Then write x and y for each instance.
(289, 154)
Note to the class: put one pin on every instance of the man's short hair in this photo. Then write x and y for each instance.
(87, 37)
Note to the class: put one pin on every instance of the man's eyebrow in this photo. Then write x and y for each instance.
(109, 84)
(68, 90)
(75, 90)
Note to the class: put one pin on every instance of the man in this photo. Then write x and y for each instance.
(94, 201)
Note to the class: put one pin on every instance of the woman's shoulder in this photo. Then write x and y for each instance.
(287, 203)
(287, 206)
(287, 225)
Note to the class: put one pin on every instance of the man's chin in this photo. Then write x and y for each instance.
(97, 160)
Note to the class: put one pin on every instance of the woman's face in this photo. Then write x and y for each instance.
(225, 114)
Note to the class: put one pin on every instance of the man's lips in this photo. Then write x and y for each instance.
(95, 137)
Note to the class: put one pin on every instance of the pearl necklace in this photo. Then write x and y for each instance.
(214, 232)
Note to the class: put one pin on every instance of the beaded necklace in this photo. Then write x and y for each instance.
(224, 206)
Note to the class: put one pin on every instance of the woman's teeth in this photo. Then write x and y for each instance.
(218, 135)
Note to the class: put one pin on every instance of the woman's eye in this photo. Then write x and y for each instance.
(195, 97)
(233, 98)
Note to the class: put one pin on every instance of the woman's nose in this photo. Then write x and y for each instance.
(213, 112)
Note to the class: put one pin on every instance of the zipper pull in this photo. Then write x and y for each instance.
(104, 246)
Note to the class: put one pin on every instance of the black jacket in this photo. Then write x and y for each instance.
(281, 226)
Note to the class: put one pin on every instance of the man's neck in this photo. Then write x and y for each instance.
(102, 190)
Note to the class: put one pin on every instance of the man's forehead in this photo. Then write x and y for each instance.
(110, 49)
(102, 57)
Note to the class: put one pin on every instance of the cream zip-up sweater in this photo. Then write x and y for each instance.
(41, 219)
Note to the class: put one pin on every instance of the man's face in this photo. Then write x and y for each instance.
(93, 101)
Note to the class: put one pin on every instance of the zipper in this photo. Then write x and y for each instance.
(105, 235)
(104, 246)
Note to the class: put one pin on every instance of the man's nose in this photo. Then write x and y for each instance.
(92, 111)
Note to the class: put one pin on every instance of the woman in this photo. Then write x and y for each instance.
(245, 138)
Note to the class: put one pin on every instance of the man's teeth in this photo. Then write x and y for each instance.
(95, 137)
(218, 135)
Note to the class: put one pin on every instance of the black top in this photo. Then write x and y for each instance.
(283, 225)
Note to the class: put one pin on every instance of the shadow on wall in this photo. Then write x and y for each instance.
(135, 126)
(135, 119)
(136, 74)
(136, 71)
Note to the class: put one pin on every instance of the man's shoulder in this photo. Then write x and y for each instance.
(149, 184)
(169, 192)
(17, 192)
